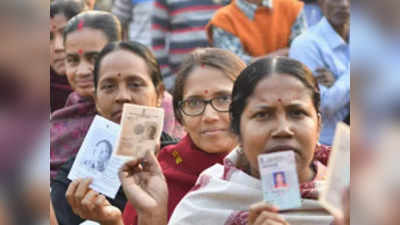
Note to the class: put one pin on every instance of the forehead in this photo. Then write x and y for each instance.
(58, 21)
(206, 79)
(125, 63)
(280, 87)
(86, 39)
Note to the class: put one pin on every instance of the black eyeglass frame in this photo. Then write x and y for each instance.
(205, 102)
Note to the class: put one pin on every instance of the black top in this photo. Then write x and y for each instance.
(60, 183)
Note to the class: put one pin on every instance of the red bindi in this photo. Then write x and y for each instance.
(206, 92)
(119, 74)
(80, 25)
(202, 65)
(279, 100)
(80, 51)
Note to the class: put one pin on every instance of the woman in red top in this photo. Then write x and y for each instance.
(201, 101)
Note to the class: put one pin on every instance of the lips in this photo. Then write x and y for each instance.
(212, 131)
(85, 83)
(281, 148)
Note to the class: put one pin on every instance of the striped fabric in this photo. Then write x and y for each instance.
(178, 27)
(137, 14)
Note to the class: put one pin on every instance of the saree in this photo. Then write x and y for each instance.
(223, 193)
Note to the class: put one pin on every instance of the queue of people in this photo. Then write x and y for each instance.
(236, 79)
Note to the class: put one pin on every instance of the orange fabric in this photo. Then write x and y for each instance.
(269, 31)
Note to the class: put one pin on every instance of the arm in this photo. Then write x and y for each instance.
(337, 97)
(333, 98)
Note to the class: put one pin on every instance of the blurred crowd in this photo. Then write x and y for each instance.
(236, 79)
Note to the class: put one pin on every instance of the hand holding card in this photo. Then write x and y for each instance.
(94, 159)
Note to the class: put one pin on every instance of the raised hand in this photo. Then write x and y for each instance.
(145, 187)
(262, 213)
(89, 204)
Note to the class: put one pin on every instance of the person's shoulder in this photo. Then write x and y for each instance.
(307, 38)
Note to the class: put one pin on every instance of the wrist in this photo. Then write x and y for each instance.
(155, 216)
(115, 221)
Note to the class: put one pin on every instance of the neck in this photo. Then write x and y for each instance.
(343, 31)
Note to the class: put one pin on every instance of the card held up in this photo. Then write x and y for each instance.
(94, 159)
(338, 174)
(141, 128)
(279, 179)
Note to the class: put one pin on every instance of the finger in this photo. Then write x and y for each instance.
(263, 206)
(257, 208)
(321, 70)
(151, 163)
(274, 217)
(266, 215)
(100, 205)
(89, 200)
(82, 189)
(272, 222)
(69, 194)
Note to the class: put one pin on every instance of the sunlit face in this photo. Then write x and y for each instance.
(82, 48)
(337, 11)
(124, 78)
(209, 131)
(280, 116)
(57, 51)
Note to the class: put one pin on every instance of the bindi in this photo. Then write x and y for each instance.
(80, 25)
(80, 51)
(206, 92)
(119, 74)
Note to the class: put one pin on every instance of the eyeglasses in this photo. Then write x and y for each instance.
(196, 106)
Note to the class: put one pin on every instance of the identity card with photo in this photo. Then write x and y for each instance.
(94, 159)
(279, 179)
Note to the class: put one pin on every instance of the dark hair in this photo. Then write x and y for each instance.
(223, 60)
(262, 68)
(69, 8)
(137, 49)
(98, 20)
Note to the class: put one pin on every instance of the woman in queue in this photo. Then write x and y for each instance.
(202, 96)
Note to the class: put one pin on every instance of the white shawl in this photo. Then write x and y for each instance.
(223, 194)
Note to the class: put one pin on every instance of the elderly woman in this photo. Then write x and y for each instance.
(202, 97)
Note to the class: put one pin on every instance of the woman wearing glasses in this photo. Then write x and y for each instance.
(202, 96)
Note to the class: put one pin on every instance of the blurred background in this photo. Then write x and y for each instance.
(24, 111)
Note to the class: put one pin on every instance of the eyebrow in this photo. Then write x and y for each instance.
(86, 54)
(218, 93)
(108, 78)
